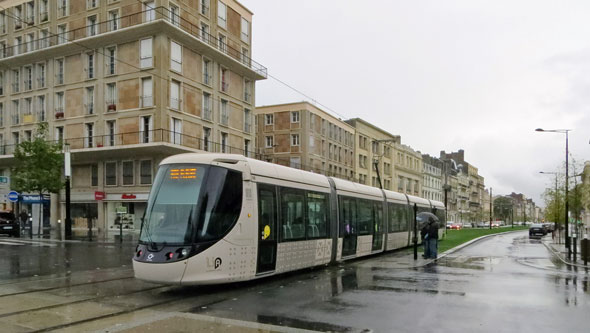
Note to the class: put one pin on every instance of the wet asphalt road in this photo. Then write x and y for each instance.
(505, 283)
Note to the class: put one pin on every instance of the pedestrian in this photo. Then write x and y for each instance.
(24, 217)
(432, 237)
(424, 236)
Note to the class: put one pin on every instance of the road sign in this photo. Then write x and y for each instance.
(13, 196)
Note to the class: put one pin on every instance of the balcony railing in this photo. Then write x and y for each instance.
(161, 13)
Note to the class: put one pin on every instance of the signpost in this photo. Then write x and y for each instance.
(13, 196)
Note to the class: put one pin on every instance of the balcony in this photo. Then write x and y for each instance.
(161, 14)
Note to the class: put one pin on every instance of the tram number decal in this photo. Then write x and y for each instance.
(217, 262)
(213, 263)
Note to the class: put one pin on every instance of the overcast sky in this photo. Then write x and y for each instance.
(445, 75)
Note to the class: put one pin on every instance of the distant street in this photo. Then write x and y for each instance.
(505, 283)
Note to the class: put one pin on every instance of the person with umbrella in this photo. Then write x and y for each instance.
(429, 228)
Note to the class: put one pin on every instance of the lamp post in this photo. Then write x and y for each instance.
(67, 174)
(567, 240)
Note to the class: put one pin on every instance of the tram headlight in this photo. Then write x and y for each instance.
(184, 252)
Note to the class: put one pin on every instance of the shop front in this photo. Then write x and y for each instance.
(125, 210)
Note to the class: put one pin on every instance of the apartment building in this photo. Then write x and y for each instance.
(124, 84)
(374, 149)
(408, 170)
(303, 136)
(432, 188)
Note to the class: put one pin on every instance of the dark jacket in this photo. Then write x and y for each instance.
(433, 230)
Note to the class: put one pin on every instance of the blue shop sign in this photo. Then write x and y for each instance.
(34, 198)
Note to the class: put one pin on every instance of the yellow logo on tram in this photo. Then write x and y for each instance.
(266, 232)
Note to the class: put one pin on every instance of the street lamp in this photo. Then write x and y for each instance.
(566, 132)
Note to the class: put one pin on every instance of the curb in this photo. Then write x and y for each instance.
(558, 255)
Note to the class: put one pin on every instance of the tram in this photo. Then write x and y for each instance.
(219, 218)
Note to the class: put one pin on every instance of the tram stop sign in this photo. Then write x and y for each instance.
(12, 196)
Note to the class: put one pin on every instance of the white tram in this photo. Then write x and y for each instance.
(217, 218)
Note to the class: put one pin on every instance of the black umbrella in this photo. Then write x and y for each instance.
(425, 218)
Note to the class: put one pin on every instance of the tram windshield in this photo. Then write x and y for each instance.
(192, 203)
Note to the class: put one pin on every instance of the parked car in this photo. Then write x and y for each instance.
(537, 231)
(456, 226)
(9, 224)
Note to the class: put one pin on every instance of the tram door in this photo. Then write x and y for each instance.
(348, 226)
(267, 229)
(377, 226)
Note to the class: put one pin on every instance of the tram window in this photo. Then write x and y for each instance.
(365, 216)
(317, 214)
(347, 216)
(403, 217)
(397, 218)
(267, 211)
(292, 214)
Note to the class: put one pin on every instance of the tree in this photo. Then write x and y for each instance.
(503, 208)
(38, 166)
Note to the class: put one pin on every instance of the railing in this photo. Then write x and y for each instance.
(30, 19)
(161, 13)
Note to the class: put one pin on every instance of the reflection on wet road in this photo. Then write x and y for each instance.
(502, 283)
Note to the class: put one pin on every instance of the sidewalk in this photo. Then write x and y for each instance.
(560, 251)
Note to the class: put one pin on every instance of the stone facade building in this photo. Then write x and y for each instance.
(303, 136)
(432, 188)
(125, 83)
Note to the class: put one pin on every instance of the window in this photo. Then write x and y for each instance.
(292, 214)
(111, 131)
(41, 112)
(89, 100)
(59, 134)
(150, 11)
(246, 147)
(1, 83)
(295, 162)
(18, 44)
(127, 172)
(397, 218)
(91, 26)
(41, 75)
(110, 172)
(2, 22)
(62, 34)
(207, 114)
(145, 172)
(247, 121)
(294, 116)
(268, 119)
(28, 78)
(294, 139)
(145, 56)
(147, 98)
(113, 20)
(15, 112)
(207, 79)
(221, 14)
(18, 17)
(15, 138)
(43, 10)
(59, 76)
(222, 43)
(30, 18)
(175, 57)
(248, 90)
(59, 104)
(174, 95)
(111, 96)
(206, 139)
(62, 7)
(204, 32)
(30, 42)
(223, 112)
(174, 15)
(317, 215)
(28, 109)
(224, 76)
(1, 114)
(175, 131)
(15, 80)
(90, 4)
(94, 175)
(245, 30)
(90, 65)
(269, 142)
(204, 4)
(89, 136)
(145, 130)
(111, 60)
(224, 143)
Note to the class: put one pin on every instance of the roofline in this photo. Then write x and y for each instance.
(374, 127)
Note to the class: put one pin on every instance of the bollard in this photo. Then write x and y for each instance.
(120, 232)
(585, 250)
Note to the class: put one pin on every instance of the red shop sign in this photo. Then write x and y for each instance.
(128, 196)
(98, 195)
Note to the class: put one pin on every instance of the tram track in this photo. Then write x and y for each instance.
(64, 287)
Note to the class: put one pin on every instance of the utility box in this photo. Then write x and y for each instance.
(585, 250)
